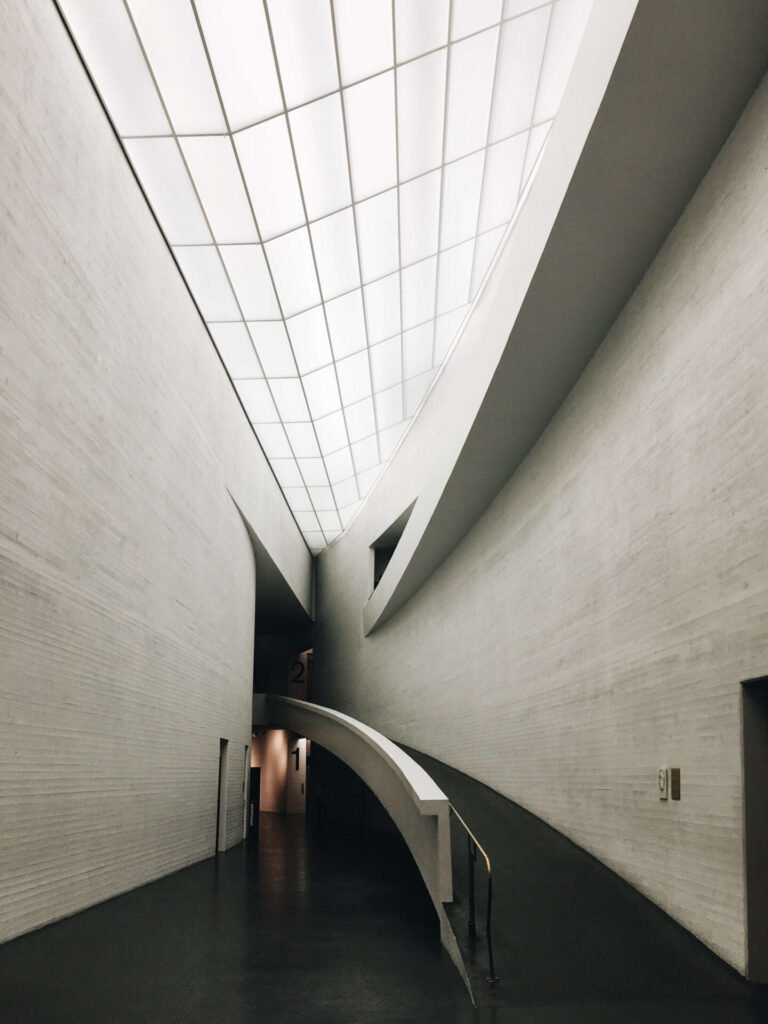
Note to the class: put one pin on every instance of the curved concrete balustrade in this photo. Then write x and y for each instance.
(416, 804)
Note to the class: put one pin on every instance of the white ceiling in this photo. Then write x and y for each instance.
(334, 177)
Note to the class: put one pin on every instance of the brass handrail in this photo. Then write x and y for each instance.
(472, 847)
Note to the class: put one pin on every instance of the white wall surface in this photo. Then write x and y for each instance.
(596, 622)
(126, 573)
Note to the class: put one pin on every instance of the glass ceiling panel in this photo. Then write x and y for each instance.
(370, 113)
(212, 163)
(309, 340)
(417, 350)
(269, 173)
(418, 283)
(249, 276)
(462, 186)
(335, 179)
(420, 27)
(420, 108)
(318, 139)
(236, 349)
(455, 276)
(364, 30)
(335, 247)
(377, 235)
(176, 56)
(237, 38)
(522, 45)
(419, 217)
(109, 45)
(273, 348)
(331, 432)
(473, 15)
(473, 62)
(162, 173)
(346, 324)
(304, 46)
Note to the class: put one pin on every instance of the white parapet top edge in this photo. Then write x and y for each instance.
(424, 791)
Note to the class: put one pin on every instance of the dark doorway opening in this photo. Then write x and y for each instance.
(754, 720)
(221, 803)
(255, 800)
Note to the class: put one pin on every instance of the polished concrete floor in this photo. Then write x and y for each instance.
(333, 926)
(574, 943)
(327, 927)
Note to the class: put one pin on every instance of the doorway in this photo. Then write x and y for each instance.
(754, 723)
(221, 804)
(255, 798)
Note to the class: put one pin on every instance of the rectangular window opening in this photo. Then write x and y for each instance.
(383, 548)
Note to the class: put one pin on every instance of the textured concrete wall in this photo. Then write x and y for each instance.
(126, 573)
(269, 751)
(596, 622)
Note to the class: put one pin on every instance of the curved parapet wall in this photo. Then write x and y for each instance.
(416, 804)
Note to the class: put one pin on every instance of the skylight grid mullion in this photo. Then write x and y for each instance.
(389, 337)
(215, 244)
(485, 163)
(373, 195)
(357, 81)
(304, 203)
(357, 231)
(261, 241)
(524, 181)
(535, 98)
(442, 176)
(397, 196)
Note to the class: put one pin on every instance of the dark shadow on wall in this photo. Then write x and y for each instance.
(274, 655)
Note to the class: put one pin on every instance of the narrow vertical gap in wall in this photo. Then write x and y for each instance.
(246, 787)
(754, 719)
(221, 805)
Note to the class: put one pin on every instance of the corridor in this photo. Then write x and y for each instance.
(331, 926)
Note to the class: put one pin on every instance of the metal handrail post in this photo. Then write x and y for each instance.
(472, 847)
(471, 858)
(492, 974)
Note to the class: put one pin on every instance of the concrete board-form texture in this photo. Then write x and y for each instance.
(596, 621)
(126, 571)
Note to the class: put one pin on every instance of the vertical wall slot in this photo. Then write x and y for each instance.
(754, 723)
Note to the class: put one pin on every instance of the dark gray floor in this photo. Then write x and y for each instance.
(573, 942)
(331, 926)
(334, 926)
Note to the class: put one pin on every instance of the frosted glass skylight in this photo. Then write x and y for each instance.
(334, 178)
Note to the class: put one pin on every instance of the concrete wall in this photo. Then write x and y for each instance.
(596, 622)
(269, 751)
(275, 655)
(126, 573)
